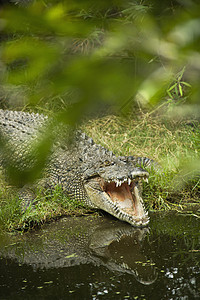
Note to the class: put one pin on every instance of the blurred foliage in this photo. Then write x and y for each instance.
(176, 90)
(100, 53)
(81, 57)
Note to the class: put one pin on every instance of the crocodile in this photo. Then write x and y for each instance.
(85, 171)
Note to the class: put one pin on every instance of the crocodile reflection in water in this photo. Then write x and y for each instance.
(120, 248)
(76, 241)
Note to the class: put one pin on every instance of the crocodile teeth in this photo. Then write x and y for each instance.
(129, 181)
(118, 183)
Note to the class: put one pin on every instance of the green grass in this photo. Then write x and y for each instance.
(48, 206)
(175, 185)
(173, 144)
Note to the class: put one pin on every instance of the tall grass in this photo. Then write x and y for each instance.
(172, 144)
(48, 205)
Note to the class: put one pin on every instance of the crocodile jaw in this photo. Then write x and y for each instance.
(121, 200)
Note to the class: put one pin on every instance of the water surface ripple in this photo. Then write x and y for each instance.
(103, 258)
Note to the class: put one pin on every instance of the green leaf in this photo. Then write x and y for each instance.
(186, 83)
(180, 89)
(72, 255)
(172, 87)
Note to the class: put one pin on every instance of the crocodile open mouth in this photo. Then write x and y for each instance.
(123, 199)
(126, 196)
(123, 195)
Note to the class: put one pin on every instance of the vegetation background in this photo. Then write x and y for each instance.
(126, 71)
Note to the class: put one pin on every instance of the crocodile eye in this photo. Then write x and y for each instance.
(107, 163)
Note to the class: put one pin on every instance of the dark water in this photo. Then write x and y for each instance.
(103, 258)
